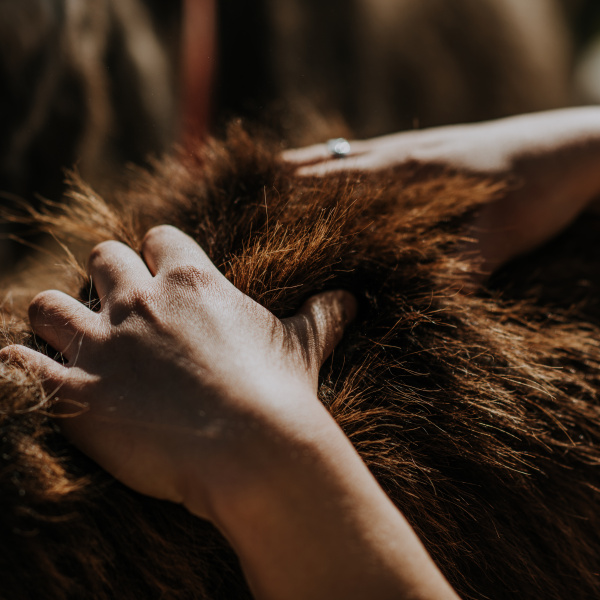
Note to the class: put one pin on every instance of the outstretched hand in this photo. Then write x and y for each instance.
(550, 159)
(179, 373)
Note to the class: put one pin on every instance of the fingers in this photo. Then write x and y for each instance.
(49, 371)
(112, 264)
(323, 152)
(166, 247)
(62, 321)
(308, 154)
(318, 160)
(320, 323)
(351, 163)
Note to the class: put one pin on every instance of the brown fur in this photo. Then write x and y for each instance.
(476, 409)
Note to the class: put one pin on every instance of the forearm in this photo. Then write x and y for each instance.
(310, 521)
(553, 161)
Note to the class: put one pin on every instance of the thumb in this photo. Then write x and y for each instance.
(320, 323)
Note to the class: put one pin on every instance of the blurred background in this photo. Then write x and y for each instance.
(98, 84)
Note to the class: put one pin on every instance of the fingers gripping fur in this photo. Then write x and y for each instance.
(50, 372)
(61, 321)
(164, 247)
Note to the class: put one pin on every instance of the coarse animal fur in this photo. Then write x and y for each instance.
(475, 407)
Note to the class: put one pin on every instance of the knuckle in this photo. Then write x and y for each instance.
(144, 305)
(156, 233)
(136, 303)
(190, 276)
(100, 251)
(42, 303)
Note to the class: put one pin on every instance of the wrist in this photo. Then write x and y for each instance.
(305, 502)
(255, 456)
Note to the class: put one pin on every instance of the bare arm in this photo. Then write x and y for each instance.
(553, 158)
(193, 393)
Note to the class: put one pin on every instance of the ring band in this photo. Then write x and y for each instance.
(339, 147)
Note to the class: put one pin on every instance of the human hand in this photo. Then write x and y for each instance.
(551, 161)
(185, 389)
(179, 378)
(457, 146)
(491, 147)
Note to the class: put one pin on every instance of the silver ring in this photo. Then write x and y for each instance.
(339, 147)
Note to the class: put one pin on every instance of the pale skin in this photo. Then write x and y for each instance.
(552, 158)
(186, 390)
